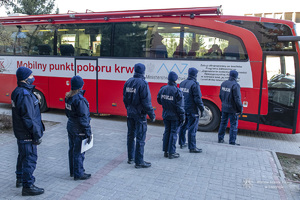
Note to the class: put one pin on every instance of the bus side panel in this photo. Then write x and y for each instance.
(42, 84)
(8, 82)
(267, 128)
(57, 91)
(110, 97)
(90, 94)
(253, 97)
(247, 125)
(211, 93)
(154, 89)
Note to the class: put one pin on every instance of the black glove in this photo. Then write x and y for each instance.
(37, 142)
(89, 139)
(153, 119)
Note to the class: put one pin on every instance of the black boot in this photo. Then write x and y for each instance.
(83, 177)
(174, 155)
(130, 161)
(143, 165)
(19, 183)
(32, 191)
(196, 150)
(166, 154)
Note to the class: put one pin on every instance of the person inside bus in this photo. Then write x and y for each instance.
(67, 50)
(214, 51)
(192, 104)
(171, 99)
(179, 53)
(232, 107)
(28, 129)
(158, 49)
(137, 101)
(194, 48)
(231, 52)
(78, 127)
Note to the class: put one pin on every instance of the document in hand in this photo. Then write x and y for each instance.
(85, 146)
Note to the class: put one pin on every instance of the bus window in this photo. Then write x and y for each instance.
(267, 33)
(27, 40)
(281, 79)
(34, 40)
(130, 39)
(164, 40)
(84, 39)
(7, 39)
(203, 43)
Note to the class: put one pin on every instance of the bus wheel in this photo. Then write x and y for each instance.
(41, 97)
(211, 121)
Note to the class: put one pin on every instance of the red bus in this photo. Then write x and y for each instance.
(102, 47)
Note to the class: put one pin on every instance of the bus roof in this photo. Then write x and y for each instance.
(212, 13)
(113, 14)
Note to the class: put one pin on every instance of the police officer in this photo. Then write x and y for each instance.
(137, 100)
(78, 127)
(192, 103)
(171, 99)
(232, 106)
(28, 129)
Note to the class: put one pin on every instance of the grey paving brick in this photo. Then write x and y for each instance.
(221, 171)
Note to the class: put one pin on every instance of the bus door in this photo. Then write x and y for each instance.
(283, 97)
(87, 69)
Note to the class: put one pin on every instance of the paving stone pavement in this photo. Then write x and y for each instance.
(222, 171)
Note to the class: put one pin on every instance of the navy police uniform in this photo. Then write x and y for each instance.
(171, 99)
(78, 127)
(137, 100)
(192, 103)
(28, 129)
(230, 96)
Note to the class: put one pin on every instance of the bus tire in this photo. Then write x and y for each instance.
(41, 97)
(211, 121)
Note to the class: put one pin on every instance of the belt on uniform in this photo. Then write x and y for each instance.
(28, 140)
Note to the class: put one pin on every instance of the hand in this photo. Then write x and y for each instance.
(37, 142)
(89, 139)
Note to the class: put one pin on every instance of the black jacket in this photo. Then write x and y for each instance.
(171, 99)
(26, 114)
(137, 97)
(78, 112)
(230, 96)
(192, 95)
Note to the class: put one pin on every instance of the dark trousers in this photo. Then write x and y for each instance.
(76, 158)
(190, 124)
(233, 117)
(170, 136)
(137, 128)
(26, 162)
